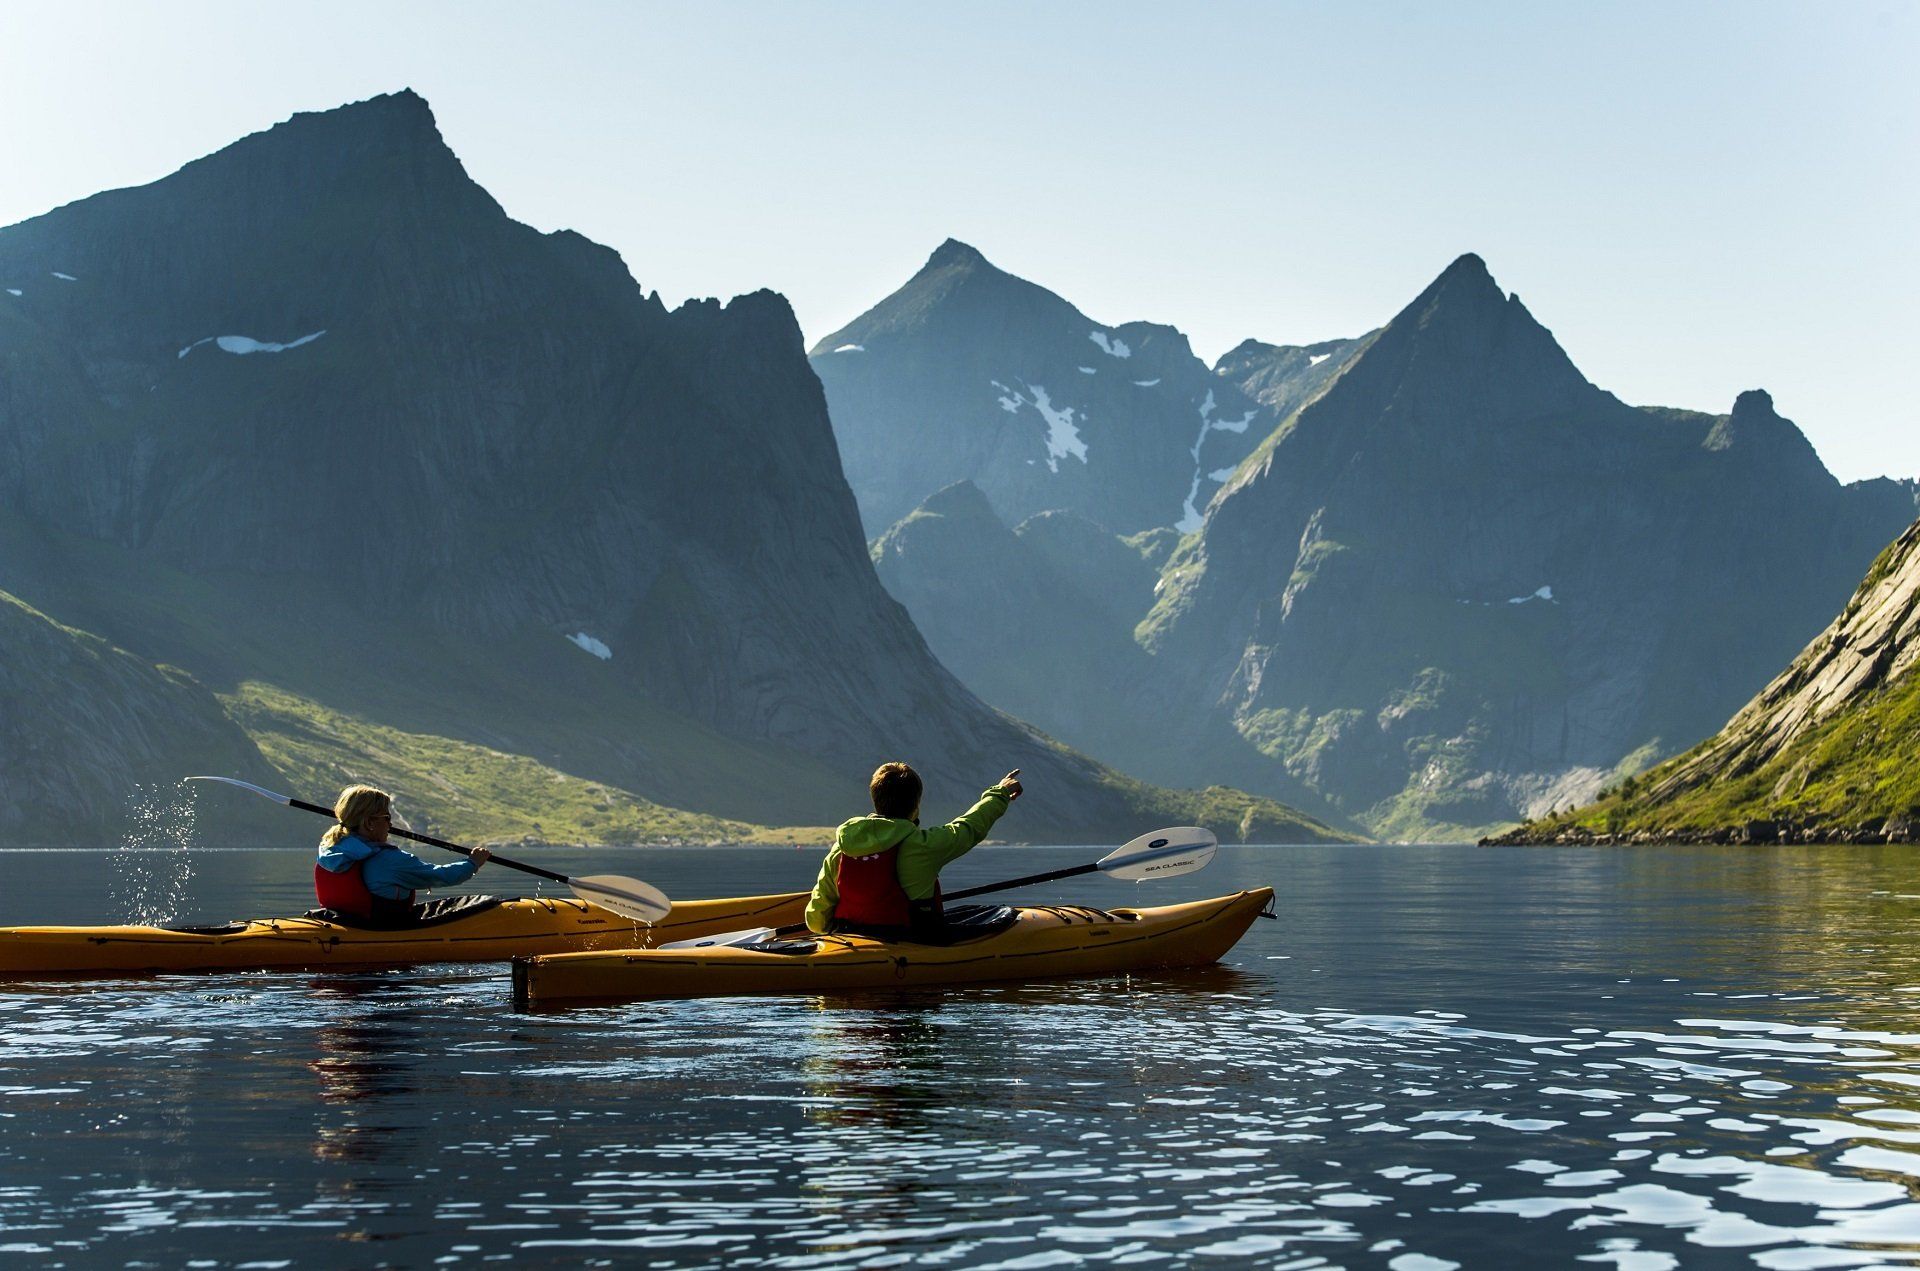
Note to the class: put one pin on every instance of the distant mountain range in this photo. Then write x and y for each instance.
(1825, 753)
(415, 493)
(1445, 583)
(967, 373)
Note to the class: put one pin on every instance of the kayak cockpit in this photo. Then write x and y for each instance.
(435, 913)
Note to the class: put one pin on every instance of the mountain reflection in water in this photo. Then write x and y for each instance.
(1633, 1057)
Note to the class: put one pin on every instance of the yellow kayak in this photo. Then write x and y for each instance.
(1027, 942)
(463, 929)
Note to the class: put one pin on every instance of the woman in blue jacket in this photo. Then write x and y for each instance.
(361, 874)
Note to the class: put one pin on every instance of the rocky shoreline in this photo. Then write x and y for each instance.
(1893, 829)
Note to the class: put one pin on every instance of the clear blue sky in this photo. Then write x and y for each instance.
(1698, 199)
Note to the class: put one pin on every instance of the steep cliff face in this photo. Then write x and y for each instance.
(1828, 750)
(88, 731)
(314, 412)
(1039, 620)
(969, 373)
(1462, 583)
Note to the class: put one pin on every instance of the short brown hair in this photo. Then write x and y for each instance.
(896, 791)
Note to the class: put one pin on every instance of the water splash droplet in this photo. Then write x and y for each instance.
(152, 868)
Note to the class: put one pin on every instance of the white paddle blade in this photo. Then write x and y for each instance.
(1161, 854)
(628, 897)
(262, 791)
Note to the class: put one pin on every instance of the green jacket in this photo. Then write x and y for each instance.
(921, 856)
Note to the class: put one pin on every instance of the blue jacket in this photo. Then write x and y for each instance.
(391, 872)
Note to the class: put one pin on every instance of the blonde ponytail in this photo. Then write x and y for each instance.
(353, 809)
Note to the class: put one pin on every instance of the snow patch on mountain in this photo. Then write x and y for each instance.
(64, 277)
(15, 291)
(1542, 593)
(1315, 359)
(1086, 370)
(1146, 383)
(1111, 347)
(598, 648)
(851, 348)
(244, 344)
(1190, 517)
(1063, 438)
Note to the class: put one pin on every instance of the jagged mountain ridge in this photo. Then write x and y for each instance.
(314, 411)
(1463, 581)
(1457, 584)
(970, 373)
(1285, 377)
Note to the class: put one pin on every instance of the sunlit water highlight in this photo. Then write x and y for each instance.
(1630, 1058)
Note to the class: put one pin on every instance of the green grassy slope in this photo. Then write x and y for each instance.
(1829, 751)
(1843, 780)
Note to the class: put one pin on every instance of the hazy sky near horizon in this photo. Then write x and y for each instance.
(1696, 198)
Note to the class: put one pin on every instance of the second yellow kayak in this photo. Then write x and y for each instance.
(1038, 942)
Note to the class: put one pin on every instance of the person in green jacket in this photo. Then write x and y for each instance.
(882, 875)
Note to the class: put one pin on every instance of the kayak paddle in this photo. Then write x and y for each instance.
(628, 897)
(1155, 854)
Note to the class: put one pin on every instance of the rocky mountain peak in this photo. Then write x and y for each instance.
(1242, 353)
(1754, 402)
(954, 253)
(1473, 351)
(957, 291)
(956, 267)
(1468, 269)
(282, 234)
(392, 140)
(963, 500)
(1466, 296)
(1760, 435)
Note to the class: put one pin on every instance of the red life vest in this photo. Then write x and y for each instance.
(346, 892)
(870, 891)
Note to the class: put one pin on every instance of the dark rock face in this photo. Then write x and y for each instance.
(1463, 582)
(85, 728)
(315, 411)
(1040, 618)
(968, 373)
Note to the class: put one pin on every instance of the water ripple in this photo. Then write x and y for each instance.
(1629, 1059)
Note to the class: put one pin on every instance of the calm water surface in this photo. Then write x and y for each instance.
(1631, 1058)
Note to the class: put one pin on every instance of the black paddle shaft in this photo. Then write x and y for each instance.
(1011, 883)
(431, 841)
